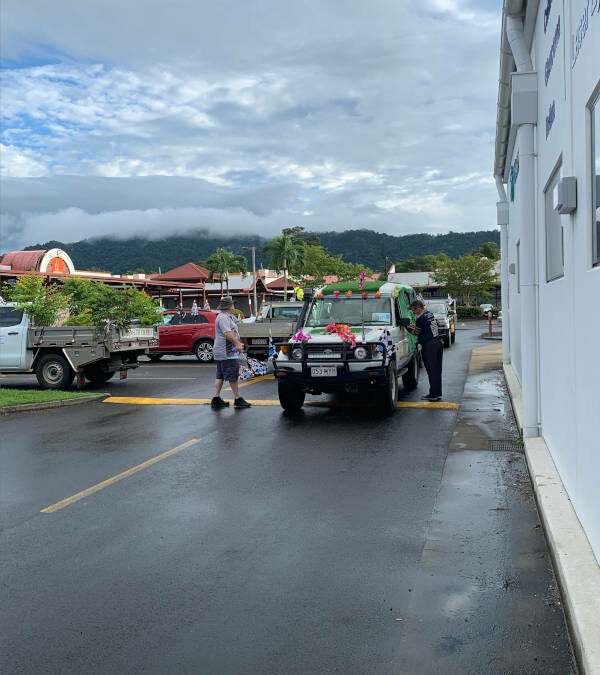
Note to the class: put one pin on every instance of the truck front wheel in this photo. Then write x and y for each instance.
(290, 397)
(54, 372)
(387, 396)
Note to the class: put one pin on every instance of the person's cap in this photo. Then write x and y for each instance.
(225, 303)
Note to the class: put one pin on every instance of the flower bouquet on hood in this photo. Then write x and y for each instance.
(343, 332)
(301, 337)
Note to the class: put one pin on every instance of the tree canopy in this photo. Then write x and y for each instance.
(466, 277)
(221, 263)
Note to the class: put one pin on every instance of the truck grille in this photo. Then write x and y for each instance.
(325, 352)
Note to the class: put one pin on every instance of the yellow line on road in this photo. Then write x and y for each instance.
(254, 380)
(118, 477)
(161, 378)
(139, 400)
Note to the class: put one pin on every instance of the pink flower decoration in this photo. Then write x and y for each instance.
(336, 293)
(365, 295)
(300, 336)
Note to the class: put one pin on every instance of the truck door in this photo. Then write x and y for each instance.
(400, 334)
(13, 329)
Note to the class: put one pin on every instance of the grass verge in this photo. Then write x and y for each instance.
(20, 396)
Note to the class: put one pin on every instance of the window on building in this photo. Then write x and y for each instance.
(555, 263)
(596, 181)
(519, 266)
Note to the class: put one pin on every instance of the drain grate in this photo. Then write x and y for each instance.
(506, 445)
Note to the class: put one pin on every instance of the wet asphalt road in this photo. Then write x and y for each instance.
(274, 544)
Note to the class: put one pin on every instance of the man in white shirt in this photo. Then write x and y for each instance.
(226, 351)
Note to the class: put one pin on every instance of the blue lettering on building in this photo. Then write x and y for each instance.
(547, 14)
(550, 118)
(552, 54)
(592, 8)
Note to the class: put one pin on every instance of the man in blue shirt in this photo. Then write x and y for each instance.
(432, 350)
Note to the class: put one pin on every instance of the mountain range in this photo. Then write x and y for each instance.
(372, 249)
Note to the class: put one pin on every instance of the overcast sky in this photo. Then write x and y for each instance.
(160, 116)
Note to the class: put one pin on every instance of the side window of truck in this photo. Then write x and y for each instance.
(9, 316)
(397, 312)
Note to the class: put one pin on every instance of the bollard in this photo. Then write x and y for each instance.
(490, 324)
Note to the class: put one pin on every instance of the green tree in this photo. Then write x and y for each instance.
(42, 301)
(466, 277)
(94, 304)
(425, 263)
(222, 262)
(301, 236)
(491, 250)
(284, 254)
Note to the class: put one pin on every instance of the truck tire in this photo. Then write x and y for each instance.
(203, 349)
(96, 375)
(387, 397)
(54, 372)
(290, 397)
(453, 337)
(446, 340)
(410, 379)
(155, 357)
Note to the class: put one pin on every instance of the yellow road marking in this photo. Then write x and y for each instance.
(118, 477)
(139, 400)
(254, 380)
(162, 378)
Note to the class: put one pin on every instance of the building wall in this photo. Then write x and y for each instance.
(569, 306)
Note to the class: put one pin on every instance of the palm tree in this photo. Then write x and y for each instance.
(222, 262)
(284, 254)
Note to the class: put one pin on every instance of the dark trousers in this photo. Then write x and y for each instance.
(432, 352)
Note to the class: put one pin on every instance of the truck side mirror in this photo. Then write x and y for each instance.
(404, 322)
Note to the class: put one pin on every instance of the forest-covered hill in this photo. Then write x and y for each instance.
(359, 246)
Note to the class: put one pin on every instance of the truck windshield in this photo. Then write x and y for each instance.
(351, 311)
(10, 316)
(287, 313)
(436, 307)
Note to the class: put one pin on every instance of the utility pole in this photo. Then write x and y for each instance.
(253, 249)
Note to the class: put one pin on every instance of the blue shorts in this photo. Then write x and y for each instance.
(228, 370)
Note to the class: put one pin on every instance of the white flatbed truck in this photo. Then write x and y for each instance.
(56, 355)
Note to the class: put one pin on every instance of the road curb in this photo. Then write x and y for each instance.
(44, 405)
(576, 566)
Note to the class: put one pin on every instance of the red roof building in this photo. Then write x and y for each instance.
(189, 273)
(179, 287)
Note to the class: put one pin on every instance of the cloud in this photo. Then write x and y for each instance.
(247, 116)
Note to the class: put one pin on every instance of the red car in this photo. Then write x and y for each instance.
(186, 334)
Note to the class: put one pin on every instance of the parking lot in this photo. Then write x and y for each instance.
(154, 536)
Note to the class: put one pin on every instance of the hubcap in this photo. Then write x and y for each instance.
(204, 351)
(53, 372)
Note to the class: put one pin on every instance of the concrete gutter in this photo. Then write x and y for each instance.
(28, 407)
(575, 564)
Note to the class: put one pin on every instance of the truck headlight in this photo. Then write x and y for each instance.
(297, 354)
(360, 353)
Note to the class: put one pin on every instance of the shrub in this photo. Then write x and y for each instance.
(94, 304)
(42, 302)
(468, 312)
(87, 303)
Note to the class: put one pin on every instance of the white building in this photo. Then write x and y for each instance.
(547, 168)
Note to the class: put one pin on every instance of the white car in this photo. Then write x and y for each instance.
(487, 307)
(500, 316)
